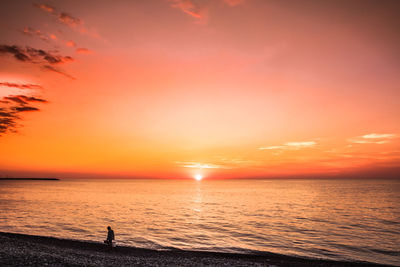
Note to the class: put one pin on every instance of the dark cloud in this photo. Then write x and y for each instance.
(8, 121)
(56, 60)
(16, 99)
(25, 108)
(57, 70)
(33, 55)
(6, 114)
(11, 106)
(32, 99)
(50, 57)
(23, 99)
(7, 124)
(21, 86)
(14, 50)
(37, 56)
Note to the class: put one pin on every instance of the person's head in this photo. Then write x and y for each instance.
(109, 227)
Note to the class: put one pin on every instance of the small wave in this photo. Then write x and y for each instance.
(387, 252)
(75, 229)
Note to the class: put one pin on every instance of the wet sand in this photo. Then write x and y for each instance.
(29, 250)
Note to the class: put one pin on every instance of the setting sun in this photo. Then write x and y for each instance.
(112, 113)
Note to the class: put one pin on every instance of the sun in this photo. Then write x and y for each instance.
(198, 177)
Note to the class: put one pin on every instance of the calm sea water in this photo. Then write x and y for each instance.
(332, 219)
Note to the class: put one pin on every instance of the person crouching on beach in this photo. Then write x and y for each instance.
(110, 237)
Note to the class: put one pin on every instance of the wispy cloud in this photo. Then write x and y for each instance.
(290, 145)
(45, 7)
(59, 71)
(33, 32)
(197, 165)
(378, 136)
(300, 144)
(233, 2)
(67, 19)
(70, 44)
(193, 8)
(219, 163)
(62, 17)
(21, 85)
(199, 8)
(82, 50)
(48, 37)
(230, 163)
(272, 147)
(373, 138)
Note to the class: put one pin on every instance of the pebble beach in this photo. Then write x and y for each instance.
(29, 250)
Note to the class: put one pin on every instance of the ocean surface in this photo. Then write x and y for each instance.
(352, 220)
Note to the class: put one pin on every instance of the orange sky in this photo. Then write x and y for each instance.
(225, 88)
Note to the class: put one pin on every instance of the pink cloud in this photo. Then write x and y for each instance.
(190, 7)
(83, 51)
(199, 8)
(68, 20)
(45, 7)
(233, 2)
(32, 32)
(70, 44)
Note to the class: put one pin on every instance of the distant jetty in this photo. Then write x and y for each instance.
(29, 179)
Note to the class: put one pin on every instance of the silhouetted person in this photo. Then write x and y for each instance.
(110, 237)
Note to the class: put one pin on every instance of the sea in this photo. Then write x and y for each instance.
(338, 219)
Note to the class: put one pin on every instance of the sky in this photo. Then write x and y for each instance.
(218, 88)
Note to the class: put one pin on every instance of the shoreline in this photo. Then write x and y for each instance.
(31, 250)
